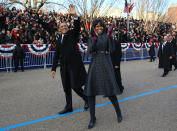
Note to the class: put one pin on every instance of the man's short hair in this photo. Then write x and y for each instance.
(62, 23)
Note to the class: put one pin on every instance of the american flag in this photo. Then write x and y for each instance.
(126, 7)
(131, 7)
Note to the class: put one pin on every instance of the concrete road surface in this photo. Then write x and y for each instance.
(33, 95)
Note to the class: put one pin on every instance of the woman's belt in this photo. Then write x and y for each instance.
(101, 52)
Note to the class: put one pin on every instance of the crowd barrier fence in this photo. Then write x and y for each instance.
(32, 61)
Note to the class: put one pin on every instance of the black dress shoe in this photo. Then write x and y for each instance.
(164, 75)
(119, 119)
(86, 106)
(66, 110)
(92, 123)
(121, 89)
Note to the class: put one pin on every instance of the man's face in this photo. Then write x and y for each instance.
(165, 39)
(63, 28)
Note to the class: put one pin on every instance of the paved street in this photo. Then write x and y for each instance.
(33, 94)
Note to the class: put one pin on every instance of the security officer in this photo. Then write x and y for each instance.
(18, 57)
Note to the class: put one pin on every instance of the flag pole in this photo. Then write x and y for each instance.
(128, 20)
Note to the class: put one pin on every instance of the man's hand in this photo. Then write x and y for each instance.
(116, 67)
(72, 10)
(171, 57)
(53, 74)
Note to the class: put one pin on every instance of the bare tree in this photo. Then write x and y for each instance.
(90, 9)
(34, 4)
(5, 3)
(152, 11)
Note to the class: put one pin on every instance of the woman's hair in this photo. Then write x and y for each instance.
(99, 21)
(93, 33)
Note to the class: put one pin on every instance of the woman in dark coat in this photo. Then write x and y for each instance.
(101, 78)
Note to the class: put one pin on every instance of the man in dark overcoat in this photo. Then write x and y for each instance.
(116, 56)
(72, 70)
(160, 55)
(167, 53)
(174, 47)
(152, 52)
(18, 57)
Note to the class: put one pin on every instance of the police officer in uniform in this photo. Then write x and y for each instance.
(18, 57)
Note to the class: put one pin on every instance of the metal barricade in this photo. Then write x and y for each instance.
(132, 54)
(49, 58)
(33, 61)
(3, 64)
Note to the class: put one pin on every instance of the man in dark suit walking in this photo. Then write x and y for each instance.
(72, 70)
(166, 53)
(160, 51)
(174, 47)
(116, 59)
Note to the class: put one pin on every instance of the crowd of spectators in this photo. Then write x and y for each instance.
(140, 34)
(30, 27)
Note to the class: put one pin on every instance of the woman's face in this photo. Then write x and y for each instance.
(99, 29)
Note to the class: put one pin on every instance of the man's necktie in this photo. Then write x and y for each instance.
(62, 39)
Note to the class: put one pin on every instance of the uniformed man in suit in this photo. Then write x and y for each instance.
(116, 59)
(18, 57)
(159, 55)
(174, 47)
(152, 52)
(166, 53)
(72, 70)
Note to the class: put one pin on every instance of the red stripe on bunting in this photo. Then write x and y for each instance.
(7, 46)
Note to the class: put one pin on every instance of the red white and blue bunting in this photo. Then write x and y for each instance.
(39, 50)
(137, 46)
(6, 50)
(125, 46)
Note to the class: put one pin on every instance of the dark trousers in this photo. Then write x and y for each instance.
(166, 71)
(173, 62)
(152, 58)
(118, 78)
(91, 103)
(16, 63)
(68, 84)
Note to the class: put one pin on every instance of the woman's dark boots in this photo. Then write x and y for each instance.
(91, 102)
(117, 108)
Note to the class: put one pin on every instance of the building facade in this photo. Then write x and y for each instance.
(172, 13)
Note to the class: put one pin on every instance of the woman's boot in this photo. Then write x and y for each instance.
(117, 108)
(91, 102)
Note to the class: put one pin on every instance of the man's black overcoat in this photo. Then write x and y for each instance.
(69, 56)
